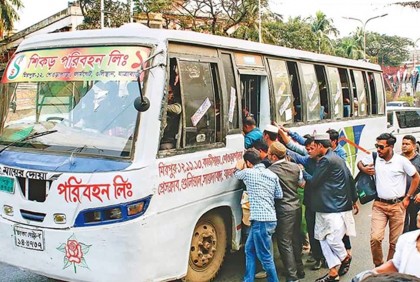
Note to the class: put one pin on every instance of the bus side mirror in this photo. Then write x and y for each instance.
(141, 104)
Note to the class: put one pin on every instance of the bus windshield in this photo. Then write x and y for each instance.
(90, 110)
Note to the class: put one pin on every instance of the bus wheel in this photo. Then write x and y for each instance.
(208, 248)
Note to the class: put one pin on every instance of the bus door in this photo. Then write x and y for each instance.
(255, 98)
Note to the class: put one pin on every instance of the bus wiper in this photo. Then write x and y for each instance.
(33, 136)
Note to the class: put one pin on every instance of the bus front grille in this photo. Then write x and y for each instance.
(34, 189)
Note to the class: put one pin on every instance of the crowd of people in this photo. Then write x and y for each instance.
(300, 187)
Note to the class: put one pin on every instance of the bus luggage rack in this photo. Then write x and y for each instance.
(34, 189)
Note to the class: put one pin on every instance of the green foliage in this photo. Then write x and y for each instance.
(348, 47)
(323, 27)
(116, 13)
(390, 50)
(295, 33)
(409, 99)
(8, 14)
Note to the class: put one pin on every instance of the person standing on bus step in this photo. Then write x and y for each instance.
(173, 112)
(391, 171)
(333, 196)
(263, 187)
(251, 131)
(288, 211)
(408, 149)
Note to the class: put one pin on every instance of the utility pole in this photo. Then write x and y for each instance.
(102, 14)
(364, 29)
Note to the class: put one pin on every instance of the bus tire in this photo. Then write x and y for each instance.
(208, 248)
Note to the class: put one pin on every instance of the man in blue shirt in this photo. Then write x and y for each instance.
(263, 187)
(251, 131)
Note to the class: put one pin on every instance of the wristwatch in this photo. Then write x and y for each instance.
(411, 197)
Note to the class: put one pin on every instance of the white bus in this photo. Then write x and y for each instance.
(94, 189)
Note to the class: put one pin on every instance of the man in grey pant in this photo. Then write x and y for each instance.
(288, 212)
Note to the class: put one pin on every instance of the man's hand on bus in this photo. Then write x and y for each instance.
(417, 198)
(240, 165)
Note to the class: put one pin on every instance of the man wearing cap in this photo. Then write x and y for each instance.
(288, 211)
(251, 131)
(270, 134)
(333, 197)
(391, 171)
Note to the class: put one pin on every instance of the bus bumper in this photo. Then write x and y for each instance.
(100, 253)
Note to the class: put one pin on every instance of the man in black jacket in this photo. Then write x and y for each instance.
(333, 197)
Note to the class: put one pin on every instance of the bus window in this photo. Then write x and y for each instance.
(369, 102)
(171, 119)
(373, 97)
(230, 81)
(198, 90)
(282, 91)
(325, 112)
(310, 84)
(360, 103)
(297, 97)
(251, 96)
(334, 85)
(347, 93)
(380, 95)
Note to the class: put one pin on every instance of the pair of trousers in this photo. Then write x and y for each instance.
(333, 247)
(310, 224)
(258, 245)
(289, 242)
(382, 213)
(411, 216)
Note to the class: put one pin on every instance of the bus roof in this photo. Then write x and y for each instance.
(138, 34)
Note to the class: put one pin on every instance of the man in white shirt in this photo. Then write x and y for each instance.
(406, 258)
(391, 171)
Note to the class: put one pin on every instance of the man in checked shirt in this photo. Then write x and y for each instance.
(263, 187)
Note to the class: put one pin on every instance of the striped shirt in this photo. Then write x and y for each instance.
(263, 187)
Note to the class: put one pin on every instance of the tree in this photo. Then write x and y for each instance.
(411, 4)
(220, 17)
(348, 47)
(392, 50)
(116, 13)
(323, 28)
(149, 7)
(9, 15)
(295, 33)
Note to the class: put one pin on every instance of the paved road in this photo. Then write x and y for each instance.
(233, 268)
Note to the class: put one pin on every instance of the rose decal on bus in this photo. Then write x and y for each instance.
(74, 253)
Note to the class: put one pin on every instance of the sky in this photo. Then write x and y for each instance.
(404, 22)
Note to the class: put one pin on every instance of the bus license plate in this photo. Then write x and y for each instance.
(32, 239)
(7, 184)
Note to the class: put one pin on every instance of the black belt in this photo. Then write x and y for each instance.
(390, 201)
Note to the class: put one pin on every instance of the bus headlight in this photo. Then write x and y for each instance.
(134, 209)
(59, 218)
(8, 210)
(112, 214)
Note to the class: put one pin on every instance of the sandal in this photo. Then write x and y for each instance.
(345, 266)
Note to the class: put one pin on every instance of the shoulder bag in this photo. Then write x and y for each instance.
(365, 185)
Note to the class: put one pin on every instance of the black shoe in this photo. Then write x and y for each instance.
(317, 265)
(301, 274)
(345, 266)
(328, 278)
